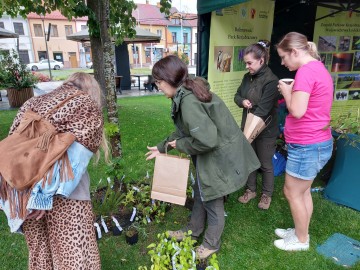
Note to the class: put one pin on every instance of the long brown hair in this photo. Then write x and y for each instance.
(174, 71)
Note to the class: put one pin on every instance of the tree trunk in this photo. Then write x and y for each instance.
(108, 56)
(96, 49)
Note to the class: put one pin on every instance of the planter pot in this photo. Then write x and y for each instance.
(114, 226)
(189, 203)
(133, 239)
(344, 185)
(116, 231)
(201, 266)
(18, 97)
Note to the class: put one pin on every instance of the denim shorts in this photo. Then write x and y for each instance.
(306, 160)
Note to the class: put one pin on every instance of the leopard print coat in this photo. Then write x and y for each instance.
(80, 116)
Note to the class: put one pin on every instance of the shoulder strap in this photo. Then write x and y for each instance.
(63, 102)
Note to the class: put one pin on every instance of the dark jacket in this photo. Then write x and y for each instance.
(261, 89)
(224, 158)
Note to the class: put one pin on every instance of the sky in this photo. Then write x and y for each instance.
(188, 6)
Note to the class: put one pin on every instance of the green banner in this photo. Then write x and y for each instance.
(232, 30)
(338, 39)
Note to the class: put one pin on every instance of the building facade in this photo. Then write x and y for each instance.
(20, 26)
(54, 28)
(176, 31)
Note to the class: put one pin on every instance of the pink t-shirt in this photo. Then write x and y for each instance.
(312, 78)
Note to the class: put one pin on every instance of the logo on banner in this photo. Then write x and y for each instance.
(252, 13)
(243, 12)
(263, 15)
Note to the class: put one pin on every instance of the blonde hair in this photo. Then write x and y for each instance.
(88, 84)
(294, 40)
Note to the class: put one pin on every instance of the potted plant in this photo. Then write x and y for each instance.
(17, 79)
(132, 233)
(107, 206)
(343, 184)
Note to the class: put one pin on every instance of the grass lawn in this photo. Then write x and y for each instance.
(248, 235)
(63, 74)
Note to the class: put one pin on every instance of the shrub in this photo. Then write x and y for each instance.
(14, 74)
(41, 77)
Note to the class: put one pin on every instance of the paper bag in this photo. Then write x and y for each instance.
(254, 125)
(170, 179)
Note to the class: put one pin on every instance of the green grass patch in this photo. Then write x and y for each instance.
(247, 241)
(63, 74)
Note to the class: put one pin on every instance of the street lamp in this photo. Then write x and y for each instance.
(47, 37)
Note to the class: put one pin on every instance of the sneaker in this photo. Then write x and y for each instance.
(202, 252)
(178, 235)
(248, 195)
(285, 233)
(291, 243)
(264, 202)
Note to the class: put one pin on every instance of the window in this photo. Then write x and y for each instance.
(68, 30)
(18, 28)
(38, 32)
(173, 34)
(2, 25)
(185, 38)
(83, 27)
(195, 41)
(159, 33)
(24, 56)
(42, 55)
(54, 31)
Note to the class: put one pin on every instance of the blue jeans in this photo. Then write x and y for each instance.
(306, 160)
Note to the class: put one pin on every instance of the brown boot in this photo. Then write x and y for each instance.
(202, 252)
(178, 235)
(248, 195)
(264, 202)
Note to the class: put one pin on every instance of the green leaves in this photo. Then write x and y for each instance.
(14, 74)
(168, 252)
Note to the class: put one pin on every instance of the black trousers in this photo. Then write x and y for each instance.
(264, 149)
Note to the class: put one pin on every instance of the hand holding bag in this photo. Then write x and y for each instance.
(254, 125)
(170, 179)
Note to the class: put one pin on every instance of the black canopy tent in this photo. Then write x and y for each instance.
(289, 15)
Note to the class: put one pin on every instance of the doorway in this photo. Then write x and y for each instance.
(73, 60)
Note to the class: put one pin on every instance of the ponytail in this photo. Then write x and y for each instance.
(313, 50)
(200, 88)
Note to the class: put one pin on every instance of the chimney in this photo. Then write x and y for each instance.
(158, 5)
(147, 2)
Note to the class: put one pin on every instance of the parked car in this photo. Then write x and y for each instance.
(89, 65)
(43, 64)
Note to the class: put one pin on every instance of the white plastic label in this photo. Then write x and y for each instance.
(133, 214)
(117, 223)
(106, 230)
(98, 229)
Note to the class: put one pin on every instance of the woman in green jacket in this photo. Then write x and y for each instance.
(206, 130)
